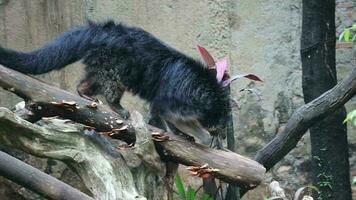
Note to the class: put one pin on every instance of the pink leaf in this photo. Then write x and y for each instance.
(207, 58)
(235, 77)
(221, 66)
(253, 77)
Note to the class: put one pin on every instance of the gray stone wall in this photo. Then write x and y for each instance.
(262, 37)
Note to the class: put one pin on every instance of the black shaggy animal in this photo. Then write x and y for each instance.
(181, 90)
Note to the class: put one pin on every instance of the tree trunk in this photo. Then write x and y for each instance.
(330, 164)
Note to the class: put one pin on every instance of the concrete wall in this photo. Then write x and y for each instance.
(262, 37)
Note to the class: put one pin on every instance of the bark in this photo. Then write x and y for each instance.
(232, 168)
(36, 180)
(228, 166)
(329, 147)
(105, 173)
(46, 101)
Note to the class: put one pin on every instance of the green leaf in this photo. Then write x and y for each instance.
(351, 116)
(190, 193)
(347, 35)
(205, 196)
(180, 186)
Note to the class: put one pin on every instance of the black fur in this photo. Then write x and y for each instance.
(119, 57)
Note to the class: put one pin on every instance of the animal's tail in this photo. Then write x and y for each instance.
(67, 48)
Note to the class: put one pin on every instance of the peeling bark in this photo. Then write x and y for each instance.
(105, 174)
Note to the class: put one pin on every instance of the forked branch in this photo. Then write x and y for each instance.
(47, 101)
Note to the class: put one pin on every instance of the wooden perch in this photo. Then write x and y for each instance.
(46, 101)
(304, 117)
(36, 180)
(106, 175)
(228, 166)
(231, 167)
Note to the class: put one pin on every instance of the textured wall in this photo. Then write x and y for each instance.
(265, 40)
(262, 37)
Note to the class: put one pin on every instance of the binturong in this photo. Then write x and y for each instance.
(184, 92)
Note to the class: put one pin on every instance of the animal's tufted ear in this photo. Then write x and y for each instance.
(235, 77)
(221, 67)
(207, 58)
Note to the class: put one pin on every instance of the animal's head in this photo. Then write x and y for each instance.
(220, 68)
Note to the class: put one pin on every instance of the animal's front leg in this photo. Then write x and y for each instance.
(116, 107)
(113, 92)
(217, 142)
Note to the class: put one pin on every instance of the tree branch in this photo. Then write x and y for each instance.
(304, 117)
(232, 168)
(36, 180)
(44, 100)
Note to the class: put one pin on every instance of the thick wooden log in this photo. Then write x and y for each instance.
(103, 170)
(36, 180)
(230, 167)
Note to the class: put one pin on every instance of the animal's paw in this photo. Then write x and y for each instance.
(123, 113)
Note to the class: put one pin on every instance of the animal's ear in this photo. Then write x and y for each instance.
(235, 77)
(221, 66)
(207, 58)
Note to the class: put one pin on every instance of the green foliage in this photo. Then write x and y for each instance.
(190, 193)
(349, 34)
(180, 186)
(205, 196)
(351, 116)
(354, 180)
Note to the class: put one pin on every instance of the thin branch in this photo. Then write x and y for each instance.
(36, 180)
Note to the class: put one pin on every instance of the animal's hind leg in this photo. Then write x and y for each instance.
(88, 87)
